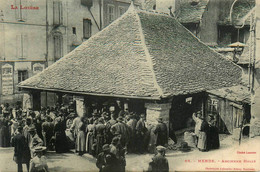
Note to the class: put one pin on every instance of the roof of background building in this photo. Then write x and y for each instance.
(237, 93)
(241, 8)
(140, 55)
(149, 4)
(189, 13)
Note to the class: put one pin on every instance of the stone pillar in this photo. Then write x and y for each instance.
(27, 100)
(80, 105)
(155, 110)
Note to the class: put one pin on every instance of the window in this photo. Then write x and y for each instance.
(121, 10)
(22, 75)
(86, 28)
(58, 41)
(57, 13)
(213, 106)
(21, 46)
(74, 30)
(37, 67)
(111, 13)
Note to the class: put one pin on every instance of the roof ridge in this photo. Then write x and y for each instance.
(154, 12)
(148, 56)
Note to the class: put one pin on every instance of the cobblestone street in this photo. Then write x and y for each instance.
(213, 160)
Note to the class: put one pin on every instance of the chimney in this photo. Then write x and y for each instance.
(164, 5)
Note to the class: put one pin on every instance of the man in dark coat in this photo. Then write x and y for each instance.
(47, 131)
(108, 134)
(106, 160)
(121, 129)
(100, 135)
(162, 131)
(132, 125)
(20, 154)
(159, 162)
(140, 133)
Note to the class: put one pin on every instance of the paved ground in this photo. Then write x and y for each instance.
(190, 161)
(65, 162)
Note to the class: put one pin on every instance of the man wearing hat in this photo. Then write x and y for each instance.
(123, 130)
(95, 116)
(47, 131)
(21, 155)
(35, 139)
(39, 162)
(108, 134)
(119, 152)
(159, 162)
(162, 131)
(132, 125)
(140, 133)
(102, 158)
(100, 135)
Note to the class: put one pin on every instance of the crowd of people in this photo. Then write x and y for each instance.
(106, 135)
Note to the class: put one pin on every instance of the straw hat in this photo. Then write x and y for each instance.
(32, 129)
(160, 148)
(106, 147)
(39, 149)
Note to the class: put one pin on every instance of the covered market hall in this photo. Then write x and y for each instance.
(144, 62)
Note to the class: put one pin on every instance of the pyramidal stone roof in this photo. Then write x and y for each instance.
(141, 55)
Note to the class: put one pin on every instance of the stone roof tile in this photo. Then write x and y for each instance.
(140, 55)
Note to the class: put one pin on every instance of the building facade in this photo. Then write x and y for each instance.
(36, 33)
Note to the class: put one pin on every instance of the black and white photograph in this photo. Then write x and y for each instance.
(129, 85)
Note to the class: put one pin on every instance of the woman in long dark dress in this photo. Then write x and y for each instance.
(2, 133)
(61, 145)
(5, 134)
(213, 133)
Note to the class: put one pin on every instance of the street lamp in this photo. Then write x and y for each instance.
(238, 48)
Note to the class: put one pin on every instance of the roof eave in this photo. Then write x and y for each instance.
(91, 94)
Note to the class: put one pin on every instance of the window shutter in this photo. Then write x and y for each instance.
(86, 28)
